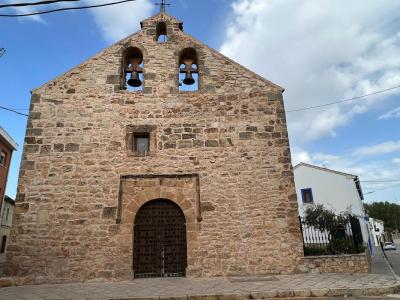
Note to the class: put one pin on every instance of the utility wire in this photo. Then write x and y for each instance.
(380, 181)
(14, 111)
(288, 111)
(344, 100)
(35, 3)
(63, 9)
(385, 188)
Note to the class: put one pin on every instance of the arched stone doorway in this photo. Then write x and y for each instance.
(160, 248)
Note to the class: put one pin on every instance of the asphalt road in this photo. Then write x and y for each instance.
(394, 258)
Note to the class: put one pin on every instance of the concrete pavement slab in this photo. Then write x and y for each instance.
(278, 286)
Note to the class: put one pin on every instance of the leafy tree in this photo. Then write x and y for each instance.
(388, 212)
(336, 225)
(322, 218)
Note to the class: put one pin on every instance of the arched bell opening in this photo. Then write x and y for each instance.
(161, 32)
(188, 70)
(160, 248)
(133, 69)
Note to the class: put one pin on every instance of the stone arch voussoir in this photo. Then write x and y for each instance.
(169, 194)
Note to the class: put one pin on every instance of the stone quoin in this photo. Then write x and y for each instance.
(214, 155)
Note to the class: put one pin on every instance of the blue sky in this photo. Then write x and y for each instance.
(317, 50)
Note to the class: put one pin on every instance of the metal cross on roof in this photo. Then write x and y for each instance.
(162, 5)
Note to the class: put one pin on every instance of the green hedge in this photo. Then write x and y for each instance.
(340, 246)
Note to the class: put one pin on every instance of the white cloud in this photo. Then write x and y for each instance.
(117, 21)
(383, 148)
(320, 53)
(392, 114)
(396, 161)
(299, 156)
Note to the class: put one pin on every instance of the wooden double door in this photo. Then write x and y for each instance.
(160, 240)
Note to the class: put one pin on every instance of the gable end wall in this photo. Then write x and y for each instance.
(231, 134)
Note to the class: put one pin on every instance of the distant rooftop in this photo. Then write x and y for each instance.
(353, 177)
(324, 169)
(8, 138)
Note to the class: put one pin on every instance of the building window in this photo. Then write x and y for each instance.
(2, 159)
(141, 140)
(188, 70)
(307, 196)
(162, 32)
(7, 213)
(133, 69)
(141, 143)
(3, 244)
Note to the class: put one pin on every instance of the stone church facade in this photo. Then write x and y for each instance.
(118, 183)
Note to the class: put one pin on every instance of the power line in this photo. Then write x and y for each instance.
(344, 100)
(35, 3)
(380, 181)
(14, 111)
(385, 188)
(64, 9)
(2, 50)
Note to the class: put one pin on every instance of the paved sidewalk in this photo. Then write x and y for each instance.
(304, 285)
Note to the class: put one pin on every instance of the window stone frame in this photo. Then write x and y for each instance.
(132, 130)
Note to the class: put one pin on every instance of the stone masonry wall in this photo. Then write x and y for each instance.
(352, 263)
(231, 135)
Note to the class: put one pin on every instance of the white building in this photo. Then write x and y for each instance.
(376, 228)
(337, 191)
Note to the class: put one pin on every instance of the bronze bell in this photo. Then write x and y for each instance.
(189, 78)
(135, 81)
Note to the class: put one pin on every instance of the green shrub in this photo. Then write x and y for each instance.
(315, 251)
(341, 246)
(336, 247)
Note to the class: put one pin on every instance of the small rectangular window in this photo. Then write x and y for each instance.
(2, 159)
(307, 196)
(141, 140)
(141, 143)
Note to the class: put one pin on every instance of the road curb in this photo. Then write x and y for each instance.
(293, 287)
(281, 294)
